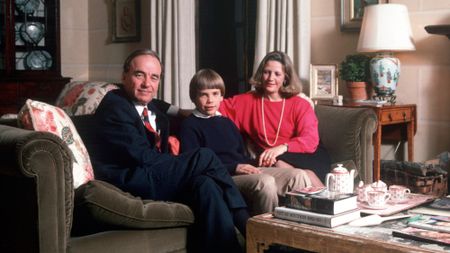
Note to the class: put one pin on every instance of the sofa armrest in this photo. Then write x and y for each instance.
(347, 133)
(36, 190)
(8, 122)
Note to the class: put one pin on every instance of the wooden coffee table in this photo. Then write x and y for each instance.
(265, 230)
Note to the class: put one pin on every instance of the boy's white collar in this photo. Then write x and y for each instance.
(198, 114)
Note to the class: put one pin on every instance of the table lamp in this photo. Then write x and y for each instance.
(385, 29)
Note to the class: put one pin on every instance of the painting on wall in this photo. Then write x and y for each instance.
(352, 12)
(126, 21)
(323, 81)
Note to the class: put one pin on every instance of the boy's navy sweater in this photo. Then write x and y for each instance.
(217, 133)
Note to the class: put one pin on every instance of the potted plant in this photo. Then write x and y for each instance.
(355, 70)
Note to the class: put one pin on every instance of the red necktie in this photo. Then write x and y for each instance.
(174, 144)
(150, 128)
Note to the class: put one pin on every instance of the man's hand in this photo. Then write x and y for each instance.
(269, 156)
(246, 169)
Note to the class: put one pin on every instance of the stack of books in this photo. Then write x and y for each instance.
(325, 208)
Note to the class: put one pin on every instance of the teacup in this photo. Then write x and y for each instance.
(399, 193)
(377, 199)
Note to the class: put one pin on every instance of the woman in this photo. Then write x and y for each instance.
(282, 126)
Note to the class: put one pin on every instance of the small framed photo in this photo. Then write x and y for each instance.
(126, 21)
(352, 12)
(323, 81)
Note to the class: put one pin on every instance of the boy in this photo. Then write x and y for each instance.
(207, 128)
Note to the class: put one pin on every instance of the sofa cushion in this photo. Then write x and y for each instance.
(40, 116)
(79, 98)
(98, 203)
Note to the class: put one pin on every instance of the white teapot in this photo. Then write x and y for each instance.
(340, 180)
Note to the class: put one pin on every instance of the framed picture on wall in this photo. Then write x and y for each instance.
(352, 12)
(126, 21)
(323, 81)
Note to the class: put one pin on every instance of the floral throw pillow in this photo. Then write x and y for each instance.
(40, 116)
(80, 98)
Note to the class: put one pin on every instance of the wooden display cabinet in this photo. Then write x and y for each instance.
(30, 60)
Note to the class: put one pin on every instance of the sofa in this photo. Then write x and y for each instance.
(42, 210)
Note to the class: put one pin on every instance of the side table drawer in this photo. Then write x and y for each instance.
(400, 115)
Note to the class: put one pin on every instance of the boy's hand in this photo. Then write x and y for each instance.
(269, 156)
(246, 169)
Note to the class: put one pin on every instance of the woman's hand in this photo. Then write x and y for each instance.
(269, 156)
(246, 169)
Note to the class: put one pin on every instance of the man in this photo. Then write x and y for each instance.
(132, 154)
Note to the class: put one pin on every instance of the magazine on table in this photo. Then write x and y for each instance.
(430, 211)
(424, 235)
(442, 203)
(432, 223)
(439, 207)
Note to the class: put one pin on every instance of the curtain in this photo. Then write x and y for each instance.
(284, 25)
(172, 35)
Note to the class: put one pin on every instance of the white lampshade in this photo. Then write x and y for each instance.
(385, 27)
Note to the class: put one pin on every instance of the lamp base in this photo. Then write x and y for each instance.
(384, 71)
(391, 99)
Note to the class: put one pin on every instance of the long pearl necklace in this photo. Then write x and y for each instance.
(264, 122)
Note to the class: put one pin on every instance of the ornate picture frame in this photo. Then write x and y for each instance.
(352, 12)
(126, 21)
(323, 81)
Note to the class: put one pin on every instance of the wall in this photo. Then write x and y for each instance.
(87, 53)
(425, 73)
(87, 50)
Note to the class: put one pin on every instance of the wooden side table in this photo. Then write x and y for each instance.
(395, 122)
(392, 120)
